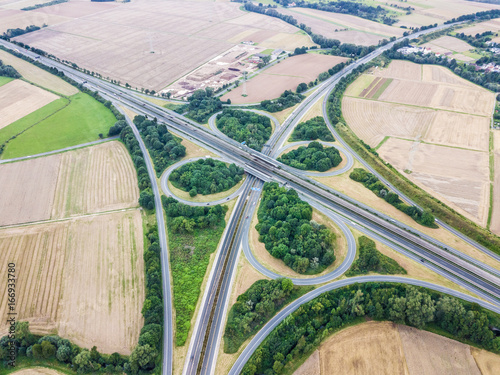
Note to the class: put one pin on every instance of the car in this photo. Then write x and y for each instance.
(208, 204)
(247, 217)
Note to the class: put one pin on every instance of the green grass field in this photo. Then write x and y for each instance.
(4, 80)
(79, 122)
(34, 117)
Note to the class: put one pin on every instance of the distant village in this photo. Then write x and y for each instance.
(490, 67)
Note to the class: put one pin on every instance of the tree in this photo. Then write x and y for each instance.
(48, 350)
(419, 307)
(37, 351)
(63, 353)
(143, 357)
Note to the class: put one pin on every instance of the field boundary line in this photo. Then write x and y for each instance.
(49, 221)
(61, 150)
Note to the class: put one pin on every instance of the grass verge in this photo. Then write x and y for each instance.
(5, 80)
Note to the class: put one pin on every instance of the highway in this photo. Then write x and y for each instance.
(477, 276)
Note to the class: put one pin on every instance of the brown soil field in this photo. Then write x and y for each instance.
(436, 107)
(481, 27)
(28, 189)
(428, 353)
(38, 76)
(372, 121)
(357, 191)
(92, 179)
(80, 278)
(464, 186)
(387, 348)
(448, 43)
(37, 371)
(401, 69)
(95, 179)
(150, 44)
(359, 31)
(370, 348)
(18, 99)
(286, 75)
(488, 363)
(495, 215)
(12, 19)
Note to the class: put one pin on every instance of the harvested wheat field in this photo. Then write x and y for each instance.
(38, 76)
(28, 189)
(495, 215)
(448, 44)
(438, 108)
(481, 27)
(92, 179)
(488, 363)
(464, 185)
(18, 99)
(95, 179)
(286, 75)
(37, 371)
(14, 18)
(150, 44)
(343, 27)
(386, 348)
(82, 278)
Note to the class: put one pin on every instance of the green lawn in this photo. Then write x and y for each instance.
(4, 80)
(79, 122)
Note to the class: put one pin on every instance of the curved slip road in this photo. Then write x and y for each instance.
(283, 314)
(348, 156)
(166, 190)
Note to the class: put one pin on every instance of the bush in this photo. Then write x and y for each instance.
(314, 157)
(286, 100)
(206, 176)
(371, 260)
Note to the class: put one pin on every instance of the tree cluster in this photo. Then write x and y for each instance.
(478, 40)
(286, 100)
(164, 148)
(370, 181)
(12, 33)
(186, 218)
(206, 176)
(372, 260)
(146, 197)
(245, 126)
(202, 104)
(255, 307)
(490, 80)
(314, 157)
(312, 130)
(302, 332)
(289, 233)
(48, 4)
(8, 71)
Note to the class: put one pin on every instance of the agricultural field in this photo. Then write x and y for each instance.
(383, 348)
(481, 27)
(18, 99)
(421, 117)
(81, 278)
(343, 27)
(81, 120)
(495, 215)
(38, 76)
(93, 179)
(152, 44)
(286, 75)
(450, 46)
